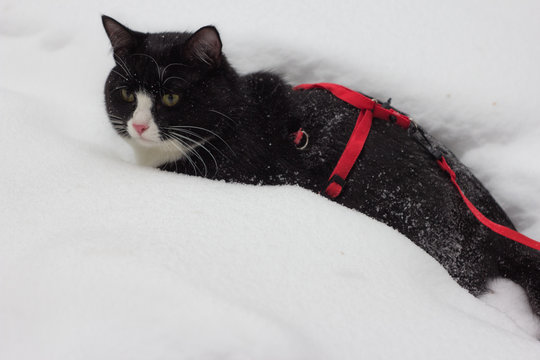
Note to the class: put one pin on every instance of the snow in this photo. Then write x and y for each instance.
(102, 258)
(510, 298)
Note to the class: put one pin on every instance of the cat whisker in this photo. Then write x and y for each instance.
(173, 77)
(193, 150)
(121, 130)
(205, 140)
(204, 58)
(203, 129)
(117, 122)
(184, 153)
(172, 64)
(213, 158)
(198, 144)
(159, 72)
(223, 115)
(119, 88)
(122, 76)
(123, 66)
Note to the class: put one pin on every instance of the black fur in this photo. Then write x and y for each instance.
(395, 180)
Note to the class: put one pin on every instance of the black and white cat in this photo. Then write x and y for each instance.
(175, 98)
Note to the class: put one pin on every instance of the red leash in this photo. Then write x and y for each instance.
(499, 229)
(370, 108)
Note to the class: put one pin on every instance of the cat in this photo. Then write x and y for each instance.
(176, 99)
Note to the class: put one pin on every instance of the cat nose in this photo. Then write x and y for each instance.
(140, 128)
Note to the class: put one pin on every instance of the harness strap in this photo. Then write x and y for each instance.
(350, 154)
(356, 142)
(370, 108)
(361, 102)
(499, 229)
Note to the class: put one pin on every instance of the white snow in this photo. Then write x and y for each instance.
(104, 259)
(511, 299)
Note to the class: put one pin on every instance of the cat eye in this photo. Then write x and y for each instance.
(170, 99)
(128, 96)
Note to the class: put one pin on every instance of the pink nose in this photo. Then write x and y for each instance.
(140, 128)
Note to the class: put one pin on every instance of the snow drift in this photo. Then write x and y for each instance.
(101, 258)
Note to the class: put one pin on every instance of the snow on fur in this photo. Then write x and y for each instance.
(101, 258)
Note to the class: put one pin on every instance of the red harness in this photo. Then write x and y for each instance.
(370, 108)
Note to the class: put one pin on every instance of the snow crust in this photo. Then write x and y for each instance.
(101, 258)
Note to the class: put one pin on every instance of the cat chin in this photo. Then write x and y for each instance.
(154, 154)
(142, 142)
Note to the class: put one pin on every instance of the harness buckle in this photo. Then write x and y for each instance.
(333, 192)
(386, 104)
(418, 134)
(336, 179)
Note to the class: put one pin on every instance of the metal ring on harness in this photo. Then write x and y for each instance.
(299, 144)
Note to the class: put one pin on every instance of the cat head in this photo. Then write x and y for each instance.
(171, 92)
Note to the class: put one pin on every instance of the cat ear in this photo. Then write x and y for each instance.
(122, 39)
(204, 46)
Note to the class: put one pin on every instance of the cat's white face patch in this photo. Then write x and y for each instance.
(145, 139)
(142, 126)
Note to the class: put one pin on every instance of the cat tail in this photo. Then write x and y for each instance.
(522, 266)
